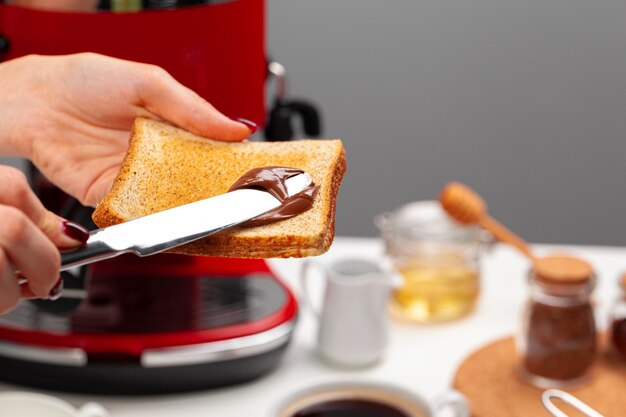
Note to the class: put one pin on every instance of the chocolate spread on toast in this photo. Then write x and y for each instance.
(272, 179)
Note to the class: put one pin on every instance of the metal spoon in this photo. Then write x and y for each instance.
(548, 395)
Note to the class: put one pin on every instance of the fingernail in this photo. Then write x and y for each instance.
(21, 278)
(75, 231)
(250, 124)
(56, 291)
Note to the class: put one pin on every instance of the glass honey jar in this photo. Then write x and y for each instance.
(438, 258)
(558, 338)
(618, 322)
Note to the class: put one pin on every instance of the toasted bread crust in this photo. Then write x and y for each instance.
(308, 234)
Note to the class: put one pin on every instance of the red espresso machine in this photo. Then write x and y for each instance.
(166, 323)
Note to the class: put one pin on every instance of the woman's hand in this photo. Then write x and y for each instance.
(30, 239)
(71, 115)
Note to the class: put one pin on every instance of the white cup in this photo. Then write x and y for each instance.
(452, 403)
(353, 319)
(29, 404)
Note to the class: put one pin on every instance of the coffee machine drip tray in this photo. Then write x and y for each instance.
(151, 334)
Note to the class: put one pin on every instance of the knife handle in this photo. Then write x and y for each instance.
(94, 250)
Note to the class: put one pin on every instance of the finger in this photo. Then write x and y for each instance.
(161, 94)
(55, 292)
(100, 187)
(9, 288)
(29, 250)
(27, 293)
(17, 193)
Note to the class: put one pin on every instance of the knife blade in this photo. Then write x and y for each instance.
(177, 226)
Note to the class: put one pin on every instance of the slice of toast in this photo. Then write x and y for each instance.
(167, 167)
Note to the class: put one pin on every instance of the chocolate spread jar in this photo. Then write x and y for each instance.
(618, 321)
(558, 338)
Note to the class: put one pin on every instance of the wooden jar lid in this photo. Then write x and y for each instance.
(562, 270)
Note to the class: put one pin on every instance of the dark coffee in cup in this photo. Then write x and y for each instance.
(350, 408)
(354, 400)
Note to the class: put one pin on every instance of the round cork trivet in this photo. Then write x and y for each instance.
(562, 269)
(491, 381)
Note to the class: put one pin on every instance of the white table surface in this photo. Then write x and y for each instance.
(420, 358)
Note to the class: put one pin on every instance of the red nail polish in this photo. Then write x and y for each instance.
(56, 291)
(75, 231)
(249, 124)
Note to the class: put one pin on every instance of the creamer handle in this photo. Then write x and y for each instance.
(304, 280)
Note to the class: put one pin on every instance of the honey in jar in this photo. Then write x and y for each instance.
(438, 259)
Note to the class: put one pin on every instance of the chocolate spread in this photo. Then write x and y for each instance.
(272, 179)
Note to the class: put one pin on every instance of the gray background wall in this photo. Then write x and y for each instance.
(523, 100)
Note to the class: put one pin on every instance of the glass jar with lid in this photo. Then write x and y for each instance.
(618, 321)
(558, 338)
(438, 259)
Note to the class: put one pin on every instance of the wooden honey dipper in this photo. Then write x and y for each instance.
(467, 207)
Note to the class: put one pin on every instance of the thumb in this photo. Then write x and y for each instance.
(17, 193)
(100, 187)
(162, 95)
(63, 233)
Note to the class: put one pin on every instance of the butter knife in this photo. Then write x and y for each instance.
(167, 229)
